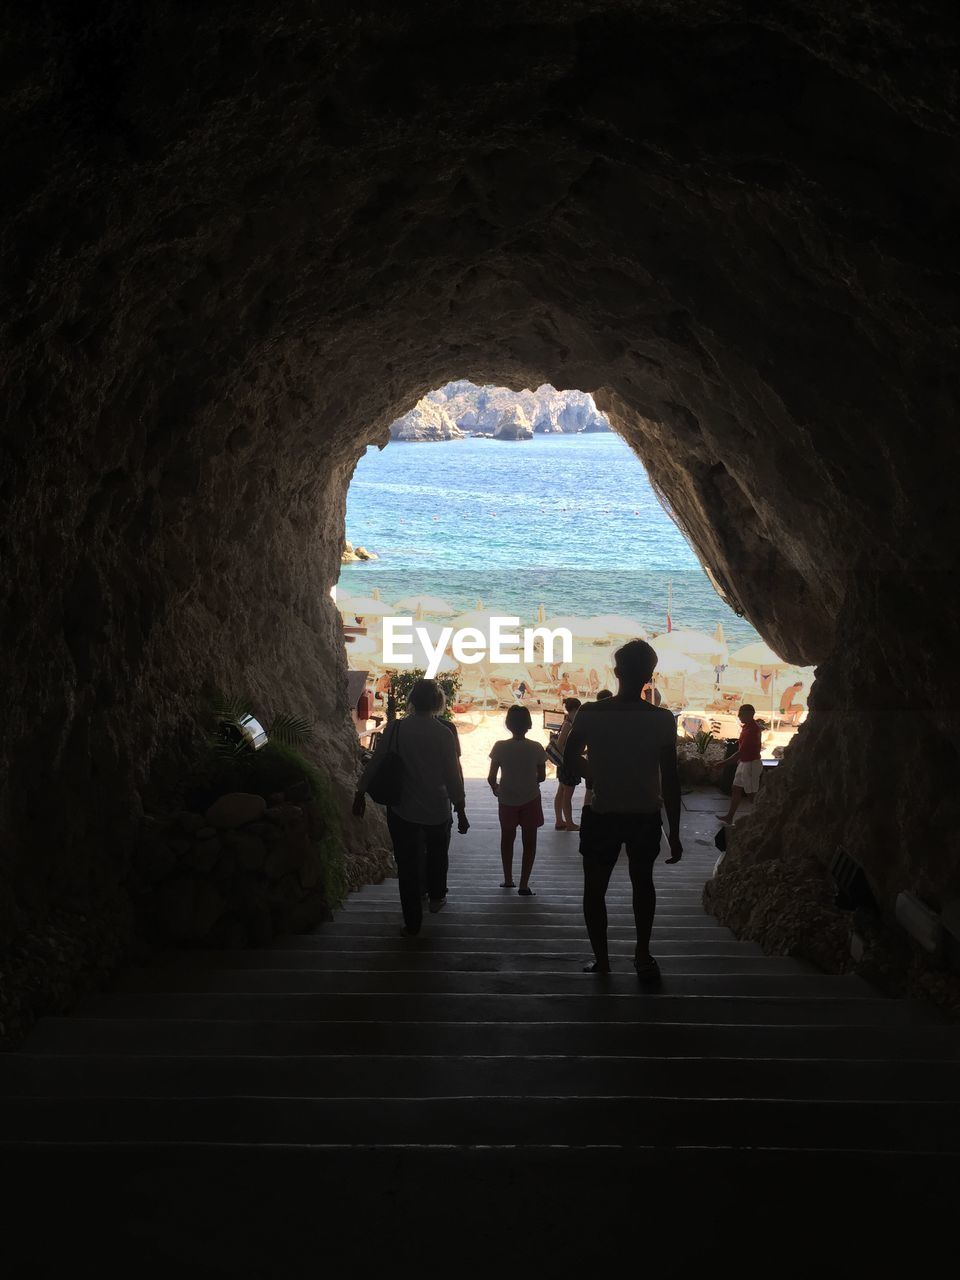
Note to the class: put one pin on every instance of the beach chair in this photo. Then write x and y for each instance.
(540, 680)
(727, 700)
(581, 681)
(502, 691)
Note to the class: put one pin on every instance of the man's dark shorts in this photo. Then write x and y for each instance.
(603, 835)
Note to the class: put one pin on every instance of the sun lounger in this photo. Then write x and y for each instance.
(726, 700)
(502, 691)
(540, 680)
(581, 681)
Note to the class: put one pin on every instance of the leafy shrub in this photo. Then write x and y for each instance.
(401, 682)
(703, 738)
(229, 762)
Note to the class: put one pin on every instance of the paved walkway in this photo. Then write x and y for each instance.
(370, 1098)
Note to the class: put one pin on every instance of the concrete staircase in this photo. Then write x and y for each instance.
(359, 1097)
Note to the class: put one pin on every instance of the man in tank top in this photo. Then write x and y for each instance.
(631, 746)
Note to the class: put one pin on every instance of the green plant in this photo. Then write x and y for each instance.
(401, 682)
(233, 740)
(703, 738)
(228, 761)
(276, 768)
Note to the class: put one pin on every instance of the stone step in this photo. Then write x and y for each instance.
(599, 1002)
(546, 899)
(526, 912)
(177, 1209)
(462, 961)
(441, 925)
(564, 980)
(508, 1118)
(425, 1076)
(76, 1035)
(431, 944)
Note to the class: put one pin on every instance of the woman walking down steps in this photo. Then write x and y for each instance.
(431, 782)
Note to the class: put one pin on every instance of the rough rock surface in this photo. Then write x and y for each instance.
(235, 810)
(240, 240)
(512, 424)
(482, 409)
(427, 420)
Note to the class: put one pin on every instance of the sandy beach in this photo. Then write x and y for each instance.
(479, 733)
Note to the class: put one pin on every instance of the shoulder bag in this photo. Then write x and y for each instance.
(386, 785)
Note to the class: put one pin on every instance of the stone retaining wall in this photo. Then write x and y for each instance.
(235, 877)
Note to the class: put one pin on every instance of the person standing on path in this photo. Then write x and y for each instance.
(432, 781)
(566, 781)
(522, 765)
(631, 746)
(746, 780)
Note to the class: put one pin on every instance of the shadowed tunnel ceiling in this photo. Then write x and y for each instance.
(240, 238)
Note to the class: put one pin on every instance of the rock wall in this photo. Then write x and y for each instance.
(240, 240)
(427, 420)
(235, 877)
(488, 410)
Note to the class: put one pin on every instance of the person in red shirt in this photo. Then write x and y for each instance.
(746, 780)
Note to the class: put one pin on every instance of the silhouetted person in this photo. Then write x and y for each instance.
(631, 747)
(602, 696)
(746, 780)
(522, 766)
(432, 780)
(567, 779)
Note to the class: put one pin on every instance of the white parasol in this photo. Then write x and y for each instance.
(758, 656)
(698, 644)
(364, 607)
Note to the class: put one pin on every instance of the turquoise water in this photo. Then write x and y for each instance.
(568, 521)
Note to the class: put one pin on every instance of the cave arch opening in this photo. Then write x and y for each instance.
(765, 296)
(529, 505)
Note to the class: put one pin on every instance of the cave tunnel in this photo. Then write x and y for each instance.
(239, 240)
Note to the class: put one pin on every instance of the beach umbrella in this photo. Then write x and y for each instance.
(758, 656)
(576, 626)
(479, 617)
(363, 645)
(365, 607)
(425, 604)
(589, 629)
(697, 644)
(677, 664)
(617, 625)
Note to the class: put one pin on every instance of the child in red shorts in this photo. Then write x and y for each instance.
(522, 766)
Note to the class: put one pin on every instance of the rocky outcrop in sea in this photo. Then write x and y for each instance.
(427, 420)
(462, 408)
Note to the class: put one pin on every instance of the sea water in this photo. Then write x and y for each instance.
(567, 521)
